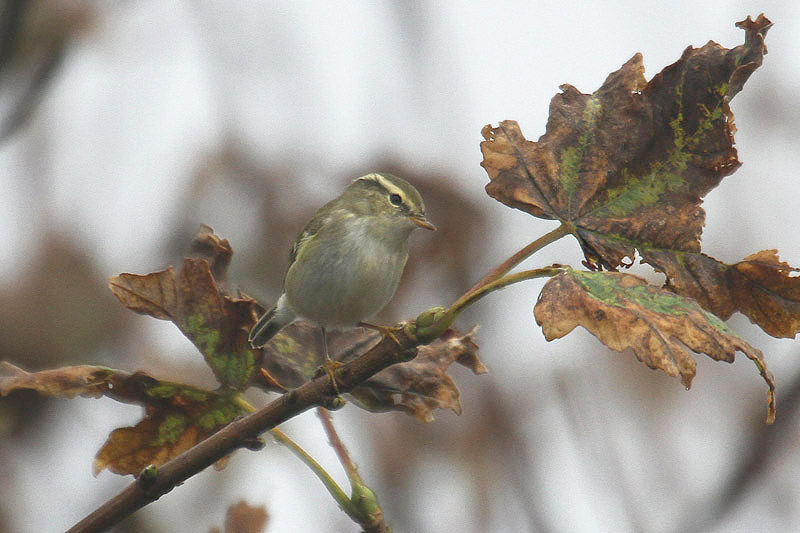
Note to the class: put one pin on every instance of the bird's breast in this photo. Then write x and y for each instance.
(344, 285)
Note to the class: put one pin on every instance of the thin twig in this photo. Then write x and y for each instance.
(367, 511)
(338, 446)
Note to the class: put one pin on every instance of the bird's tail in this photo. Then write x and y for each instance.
(271, 323)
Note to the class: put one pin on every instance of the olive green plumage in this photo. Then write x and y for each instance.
(346, 263)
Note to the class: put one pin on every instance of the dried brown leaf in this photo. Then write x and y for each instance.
(217, 251)
(176, 417)
(624, 311)
(216, 323)
(626, 169)
(85, 380)
(422, 384)
(153, 294)
(627, 166)
(761, 287)
(128, 450)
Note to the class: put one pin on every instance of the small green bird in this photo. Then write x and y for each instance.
(346, 263)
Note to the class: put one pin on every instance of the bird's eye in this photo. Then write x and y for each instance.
(396, 199)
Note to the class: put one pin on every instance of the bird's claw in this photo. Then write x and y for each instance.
(329, 367)
(386, 331)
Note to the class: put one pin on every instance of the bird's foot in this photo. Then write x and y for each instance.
(385, 331)
(329, 367)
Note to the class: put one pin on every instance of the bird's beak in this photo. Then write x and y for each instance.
(422, 222)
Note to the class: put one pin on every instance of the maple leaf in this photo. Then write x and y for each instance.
(216, 323)
(627, 165)
(176, 417)
(416, 387)
(421, 385)
(624, 311)
(626, 169)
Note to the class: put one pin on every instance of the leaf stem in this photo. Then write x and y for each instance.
(333, 488)
(438, 320)
(244, 404)
(362, 507)
(448, 316)
(502, 283)
(562, 230)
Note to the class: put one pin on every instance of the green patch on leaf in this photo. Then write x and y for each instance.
(170, 390)
(205, 338)
(660, 327)
(221, 413)
(572, 157)
(232, 369)
(170, 429)
(612, 291)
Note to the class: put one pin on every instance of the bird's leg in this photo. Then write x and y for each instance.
(386, 331)
(330, 364)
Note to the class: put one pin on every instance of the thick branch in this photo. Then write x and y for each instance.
(242, 432)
